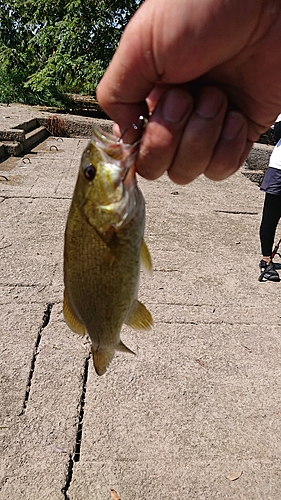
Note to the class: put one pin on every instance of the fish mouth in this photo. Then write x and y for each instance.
(103, 138)
(117, 194)
(117, 151)
(125, 208)
(130, 180)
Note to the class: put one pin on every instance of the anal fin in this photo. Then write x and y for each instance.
(74, 324)
(139, 317)
(123, 348)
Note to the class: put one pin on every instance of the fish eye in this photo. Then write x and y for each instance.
(90, 172)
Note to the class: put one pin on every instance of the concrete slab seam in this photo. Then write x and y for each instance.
(45, 322)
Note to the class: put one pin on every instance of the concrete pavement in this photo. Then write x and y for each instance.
(199, 405)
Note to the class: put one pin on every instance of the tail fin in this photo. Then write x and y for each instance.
(101, 360)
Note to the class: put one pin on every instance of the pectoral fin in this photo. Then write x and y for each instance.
(146, 262)
(74, 324)
(139, 317)
(101, 360)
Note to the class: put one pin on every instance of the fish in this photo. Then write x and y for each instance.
(104, 248)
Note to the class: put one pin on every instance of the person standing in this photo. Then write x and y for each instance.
(271, 185)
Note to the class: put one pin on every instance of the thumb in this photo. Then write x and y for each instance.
(130, 77)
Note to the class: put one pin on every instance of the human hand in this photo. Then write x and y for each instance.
(208, 74)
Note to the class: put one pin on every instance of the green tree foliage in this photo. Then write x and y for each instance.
(49, 49)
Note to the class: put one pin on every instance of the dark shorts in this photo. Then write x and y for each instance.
(272, 181)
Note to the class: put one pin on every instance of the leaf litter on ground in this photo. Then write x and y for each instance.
(114, 495)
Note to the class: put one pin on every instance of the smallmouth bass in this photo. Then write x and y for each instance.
(104, 248)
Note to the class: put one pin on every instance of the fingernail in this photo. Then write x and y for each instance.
(209, 106)
(248, 147)
(176, 105)
(233, 125)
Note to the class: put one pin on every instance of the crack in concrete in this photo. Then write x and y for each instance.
(76, 455)
(235, 212)
(64, 490)
(81, 412)
(7, 197)
(45, 322)
(24, 285)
